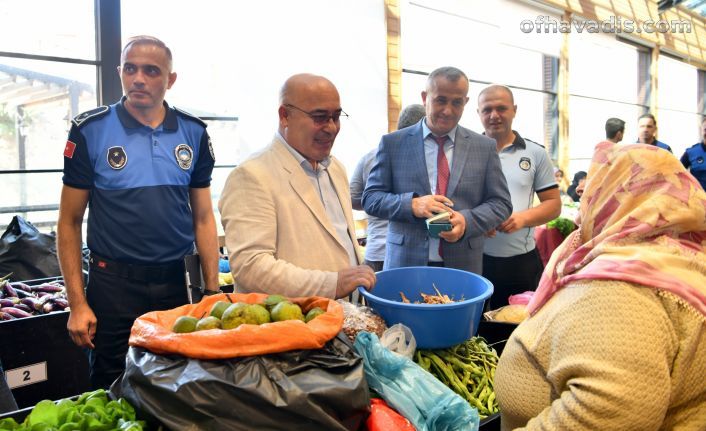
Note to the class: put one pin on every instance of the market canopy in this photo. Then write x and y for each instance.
(22, 87)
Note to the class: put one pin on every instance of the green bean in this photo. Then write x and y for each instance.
(491, 402)
(468, 369)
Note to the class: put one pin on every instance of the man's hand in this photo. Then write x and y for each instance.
(82, 325)
(350, 278)
(427, 206)
(515, 222)
(458, 228)
(491, 233)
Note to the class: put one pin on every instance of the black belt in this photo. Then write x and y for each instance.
(144, 273)
(437, 264)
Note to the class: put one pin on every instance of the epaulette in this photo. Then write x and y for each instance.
(535, 143)
(190, 116)
(90, 115)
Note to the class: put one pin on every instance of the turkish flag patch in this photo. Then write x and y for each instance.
(69, 149)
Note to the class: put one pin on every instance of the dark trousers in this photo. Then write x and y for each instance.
(511, 275)
(117, 301)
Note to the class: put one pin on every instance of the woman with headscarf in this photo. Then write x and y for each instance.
(616, 337)
(578, 178)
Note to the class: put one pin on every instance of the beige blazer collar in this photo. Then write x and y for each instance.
(302, 187)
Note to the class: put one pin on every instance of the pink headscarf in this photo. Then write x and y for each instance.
(643, 220)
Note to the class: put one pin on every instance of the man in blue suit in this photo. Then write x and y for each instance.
(412, 180)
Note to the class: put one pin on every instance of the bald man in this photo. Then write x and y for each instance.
(286, 211)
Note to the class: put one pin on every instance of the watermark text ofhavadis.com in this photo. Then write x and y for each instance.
(547, 24)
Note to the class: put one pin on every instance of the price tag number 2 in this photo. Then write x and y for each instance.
(28, 375)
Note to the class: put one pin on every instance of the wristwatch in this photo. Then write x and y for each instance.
(208, 292)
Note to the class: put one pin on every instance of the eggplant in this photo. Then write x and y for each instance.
(15, 312)
(10, 291)
(47, 287)
(33, 303)
(18, 285)
(60, 303)
(9, 302)
(6, 316)
(24, 307)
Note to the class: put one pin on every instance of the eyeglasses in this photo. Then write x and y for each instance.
(321, 117)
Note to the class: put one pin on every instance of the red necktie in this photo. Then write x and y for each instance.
(442, 166)
(442, 172)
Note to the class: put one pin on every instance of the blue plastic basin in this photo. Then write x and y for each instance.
(435, 326)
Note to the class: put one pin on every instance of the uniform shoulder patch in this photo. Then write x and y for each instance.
(190, 116)
(84, 117)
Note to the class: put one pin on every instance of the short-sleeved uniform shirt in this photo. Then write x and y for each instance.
(527, 169)
(139, 180)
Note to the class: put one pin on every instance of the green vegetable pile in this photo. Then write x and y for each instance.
(92, 411)
(563, 224)
(467, 369)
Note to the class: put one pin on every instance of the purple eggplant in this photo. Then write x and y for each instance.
(6, 316)
(10, 291)
(15, 312)
(24, 307)
(47, 287)
(33, 303)
(9, 302)
(60, 303)
(18, 285)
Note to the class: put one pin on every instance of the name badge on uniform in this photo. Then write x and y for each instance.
(525, 163)
(117, 158)
(184, 155)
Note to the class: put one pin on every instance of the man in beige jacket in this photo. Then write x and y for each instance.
(286, 211)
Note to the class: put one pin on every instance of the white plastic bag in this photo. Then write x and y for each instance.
(399, 339)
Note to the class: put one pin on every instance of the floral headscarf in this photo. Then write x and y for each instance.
(643, 220)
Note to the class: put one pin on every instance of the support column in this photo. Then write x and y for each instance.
(563, 99)
(394, 63)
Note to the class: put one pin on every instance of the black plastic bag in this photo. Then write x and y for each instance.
(27, 253)
(323, 389)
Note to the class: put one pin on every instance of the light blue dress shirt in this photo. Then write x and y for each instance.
(431, 150)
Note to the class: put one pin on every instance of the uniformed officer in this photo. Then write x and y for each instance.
(144, 168)
(647, 129)
(694, 158)
(510, 260)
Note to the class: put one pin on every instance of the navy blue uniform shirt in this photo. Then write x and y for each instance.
(139, 180)
(694, 159)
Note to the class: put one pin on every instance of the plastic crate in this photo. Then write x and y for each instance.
(39, 359)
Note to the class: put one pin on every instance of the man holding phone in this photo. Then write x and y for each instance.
(436, 166)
